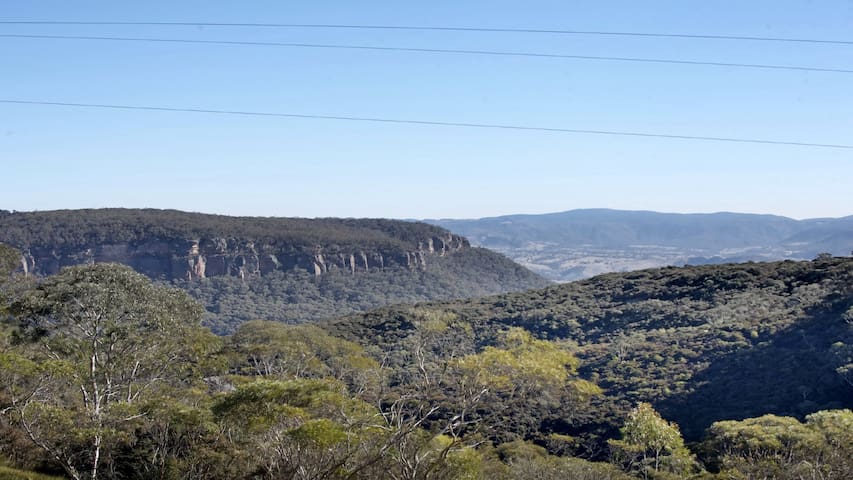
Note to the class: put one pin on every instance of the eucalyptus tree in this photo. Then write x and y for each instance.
(95, 344)
(783, 447)
(516, 378)
(651, 447)
(286, 352)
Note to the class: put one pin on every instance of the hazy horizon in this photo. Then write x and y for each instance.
(551, 212)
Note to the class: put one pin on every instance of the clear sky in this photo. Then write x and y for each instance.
(61, 157)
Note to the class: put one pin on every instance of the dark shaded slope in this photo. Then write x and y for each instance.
(789, 373)
(701, 343)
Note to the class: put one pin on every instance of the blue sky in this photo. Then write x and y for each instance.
(59, 157)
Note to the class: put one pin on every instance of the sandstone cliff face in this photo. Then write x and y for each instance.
(211, 257)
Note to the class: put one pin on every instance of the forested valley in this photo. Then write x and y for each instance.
(715, 372)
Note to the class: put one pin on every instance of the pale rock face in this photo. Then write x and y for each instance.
(210, 257)
(197, 267)
(319, 264)
(28, 264)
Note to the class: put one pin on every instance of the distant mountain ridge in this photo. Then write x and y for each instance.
(581, 243)
(287, 269)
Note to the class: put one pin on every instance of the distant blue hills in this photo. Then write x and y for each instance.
(580, 243)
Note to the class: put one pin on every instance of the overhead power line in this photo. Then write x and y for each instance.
(445, 29)
(431, 123)
(436, 50)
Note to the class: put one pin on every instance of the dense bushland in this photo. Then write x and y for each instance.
(104, 374)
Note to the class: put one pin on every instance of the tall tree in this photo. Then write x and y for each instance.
(96, 343)
(651, 446)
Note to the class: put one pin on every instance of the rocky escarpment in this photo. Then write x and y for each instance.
(171, 244)
(291, 270)
(216, 256)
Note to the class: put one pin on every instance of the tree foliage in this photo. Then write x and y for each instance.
(701, 344)
(272, 349)
(651, 446)
(783, 447)
(298, 296)
(95, 342)
(88, 227)
(106, 375)
(10, 259)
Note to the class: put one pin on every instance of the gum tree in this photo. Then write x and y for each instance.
(650, 445)
(95, 344)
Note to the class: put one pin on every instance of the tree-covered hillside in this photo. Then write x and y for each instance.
(715, 373)
(60, 229)
(291, 270)
(701, 344)
(298, 296)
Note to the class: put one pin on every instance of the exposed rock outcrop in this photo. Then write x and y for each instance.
(210, 257)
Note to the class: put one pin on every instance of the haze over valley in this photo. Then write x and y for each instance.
(579, 244)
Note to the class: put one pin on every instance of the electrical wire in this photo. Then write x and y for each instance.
(440, 28)
(431, 123)
(436, 50)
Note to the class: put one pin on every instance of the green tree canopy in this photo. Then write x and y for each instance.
(300, 351)
(784, 447)
(650, 445)
(10, 259)
(97, 342)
